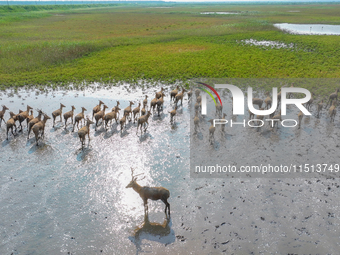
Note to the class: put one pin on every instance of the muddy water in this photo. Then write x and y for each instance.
(58, 199)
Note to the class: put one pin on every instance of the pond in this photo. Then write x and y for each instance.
(309, 29)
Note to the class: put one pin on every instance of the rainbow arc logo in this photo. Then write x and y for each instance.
(204, 107)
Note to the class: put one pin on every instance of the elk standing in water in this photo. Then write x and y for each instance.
(78, 118)
(40, 126)
(23, 116)
(97, 108)
(68, 115)
(2, 113)
(153, 193)
(85, 131)
(33, 122)
(57, 113)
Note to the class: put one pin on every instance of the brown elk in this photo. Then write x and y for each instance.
(33, 122)
(300, 116)
(97, 108)
(23, 116)
(100, 115)
(159, 94)
(111, 115)
(160, 103)
(79, 117)
(173, 93)
(85, 131)
(179, 96)
(116, 109)
(57, 113)
(145, 101)
(128, 110)
(153, 193)
(332, 110)
(333, 96)
(143, 120)
(173, 114)
(136, 112)
(68, 115)
(11, 123)
(40, 126)
(2, 113)
(153, 103)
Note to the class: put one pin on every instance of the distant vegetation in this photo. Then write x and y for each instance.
(41, 45)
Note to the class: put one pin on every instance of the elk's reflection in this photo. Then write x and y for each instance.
(153, 231)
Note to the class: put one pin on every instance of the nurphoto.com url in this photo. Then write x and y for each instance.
(268, 168)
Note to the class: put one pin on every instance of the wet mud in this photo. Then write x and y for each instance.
(57, 198)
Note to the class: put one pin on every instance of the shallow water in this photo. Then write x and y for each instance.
(309, 29)
(271, 44)
(56, 198)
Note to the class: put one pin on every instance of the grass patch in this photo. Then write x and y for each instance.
(116, 43)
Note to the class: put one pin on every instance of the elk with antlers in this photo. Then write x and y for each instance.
(40, 126)
(153, 193)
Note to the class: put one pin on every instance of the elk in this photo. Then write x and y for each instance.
(196, 121)
(153, 103)
(333, 96)
(268, 101)
(332, 110)
(145, 101)
(96, 108)
(276, 117)
(174, 93)
(116, 109)
(251, 114)
(29, 118)
(57, 113)
(143, 120)
(258, 102)
(159, 94)
(85, 131)
(110, 116)
(40, 126)
(128, 110)
(23, 116)
(310, 101)
(2, 113)
(173, 113)
(143, 111)
(136, 111)
(197, 93)
(160, 103)
(100, 115)
(68, 115)
(300, 116)
(179, 96)
(78, 118)
(11, 122)
(211, 130)
(122, 121)
(290, 94)
(189, 94)
(33, 122)
(219, 107)
(153, 193)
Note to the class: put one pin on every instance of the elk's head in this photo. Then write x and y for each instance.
(133, 180)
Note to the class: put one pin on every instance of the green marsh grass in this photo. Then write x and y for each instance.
(129, 43)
